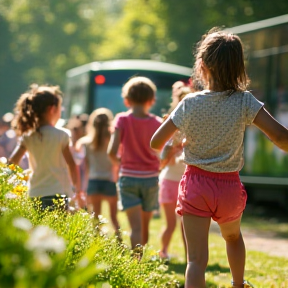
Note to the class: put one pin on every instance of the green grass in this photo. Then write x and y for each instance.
(261, 269)
(270, 220)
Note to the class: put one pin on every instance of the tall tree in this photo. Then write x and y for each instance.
(140, 32)
(44, 38)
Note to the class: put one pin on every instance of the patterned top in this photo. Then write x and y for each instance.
(214, 124)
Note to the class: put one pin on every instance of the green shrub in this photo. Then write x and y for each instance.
(49, 249)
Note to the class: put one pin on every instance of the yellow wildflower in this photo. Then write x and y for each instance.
(12, 167)
(19, 190)
(26, 178)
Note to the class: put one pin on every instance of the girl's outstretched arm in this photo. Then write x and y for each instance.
(114, 146)
(163, 134)
(17, 154)
(73, 168)
(275, 131)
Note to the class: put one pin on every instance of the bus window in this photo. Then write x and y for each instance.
(108, 92)
(99, 84)
(103, 95)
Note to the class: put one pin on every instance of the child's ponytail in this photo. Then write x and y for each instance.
(25, 119)
(32, 105)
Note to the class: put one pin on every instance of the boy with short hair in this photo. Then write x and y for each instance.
(139, 164)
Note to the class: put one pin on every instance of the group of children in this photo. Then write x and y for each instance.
(199, 143)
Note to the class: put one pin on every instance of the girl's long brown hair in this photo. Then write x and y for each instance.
(32, 105)
(222, 53)
(98, 127)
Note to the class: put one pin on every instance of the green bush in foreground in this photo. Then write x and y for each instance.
(59, 249)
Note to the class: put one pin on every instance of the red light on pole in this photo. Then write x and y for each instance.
(100, 79)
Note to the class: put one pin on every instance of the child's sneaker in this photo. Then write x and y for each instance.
(164, 257)
(138, 252)
(247, 284)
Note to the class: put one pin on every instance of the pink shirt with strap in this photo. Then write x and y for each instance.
(137, 158)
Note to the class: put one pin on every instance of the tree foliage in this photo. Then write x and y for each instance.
(187, 22)
(41, 39)
(140, 32)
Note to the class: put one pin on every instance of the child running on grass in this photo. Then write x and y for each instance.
(214, 122)
(36, 113)
(172, 170)
(99, 168)
(139, 164)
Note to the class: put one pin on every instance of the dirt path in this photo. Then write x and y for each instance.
(263, 242)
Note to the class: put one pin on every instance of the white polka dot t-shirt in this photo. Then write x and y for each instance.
(214, 124)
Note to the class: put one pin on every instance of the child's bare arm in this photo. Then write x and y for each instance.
(17, 154)
(163, 134)
(73, 168)
(168, 155)
(276, 132)
(114, 146)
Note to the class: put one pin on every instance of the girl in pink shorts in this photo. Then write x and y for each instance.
(172, 169)
(214, 122)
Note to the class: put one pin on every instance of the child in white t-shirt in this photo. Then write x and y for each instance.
(37, 111)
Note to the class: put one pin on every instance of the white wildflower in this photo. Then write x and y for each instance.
(22, 223)
(3, 160)
(10, 195)
(83, 262)
(4, 209)
(42, 238)
(102, 219)
(105, 230)
(44, 260)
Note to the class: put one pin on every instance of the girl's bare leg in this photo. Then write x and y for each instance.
(95, 200)
(196, 233)
(145, 219)
(113, 211)
(169, 210)
(134, 217)
(235, 250)
(184, 239)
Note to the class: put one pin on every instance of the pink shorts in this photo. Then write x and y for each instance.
(168, 191)
(221, 196)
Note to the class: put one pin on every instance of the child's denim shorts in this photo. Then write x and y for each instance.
(139, 191)
(103, 187)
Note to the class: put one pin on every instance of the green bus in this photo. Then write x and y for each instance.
(266, 47)
(99, 84)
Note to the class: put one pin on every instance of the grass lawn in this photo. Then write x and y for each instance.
(262, 270)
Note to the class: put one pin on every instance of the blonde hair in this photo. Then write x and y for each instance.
(98, 127)
(181, 93)
(139, 90)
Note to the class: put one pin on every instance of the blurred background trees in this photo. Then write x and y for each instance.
(42, 39)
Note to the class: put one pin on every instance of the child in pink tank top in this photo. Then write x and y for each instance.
(139, 164)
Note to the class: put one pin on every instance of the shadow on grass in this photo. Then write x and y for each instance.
(179, 268)
(267, 218)
(216, 269)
